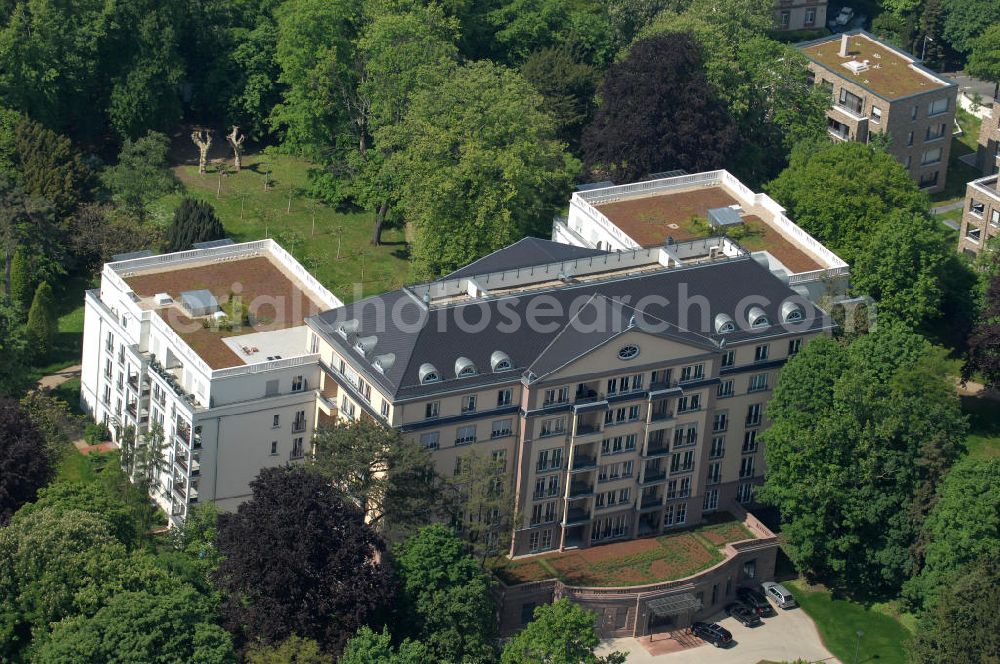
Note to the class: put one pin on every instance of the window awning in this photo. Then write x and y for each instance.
(674, 604)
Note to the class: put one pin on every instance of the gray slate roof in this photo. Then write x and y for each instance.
(444, 333)
(524, 253)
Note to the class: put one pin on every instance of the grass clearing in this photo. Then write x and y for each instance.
(334, 246)
(984, 426)
(840, 620)
(959, 173)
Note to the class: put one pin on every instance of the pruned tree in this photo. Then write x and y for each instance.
(203, 139)
(235, 140)
(43, 323)
(392, 479)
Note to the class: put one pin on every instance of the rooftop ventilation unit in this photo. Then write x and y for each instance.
(724, 217)
(163, 299)
(856, 67)
(199, 302)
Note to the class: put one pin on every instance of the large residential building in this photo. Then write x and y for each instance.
(624, 390)
(799, 14)
(209, 347)
(712, 211)
(981, 218)
(879, 89)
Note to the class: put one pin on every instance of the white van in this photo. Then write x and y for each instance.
(779, 594)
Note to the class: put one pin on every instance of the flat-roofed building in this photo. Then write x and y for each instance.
(877, 88)
(625, 390)
(704, 214)
(988, 148)
(209, 347)
(799, 14)
(981, 218)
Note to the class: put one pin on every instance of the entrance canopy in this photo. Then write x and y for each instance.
(674, 604)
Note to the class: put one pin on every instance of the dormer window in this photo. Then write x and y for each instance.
(365, 344)
(464, 367)
(724, 324)
(428, 373)
(383, 363)
(500, 361)
(348, 328)
(791, 312)
(757, 318)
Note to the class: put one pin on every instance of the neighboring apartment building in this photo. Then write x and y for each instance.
(981, 219)
(799, 14)
(877, 88)
(685, 208)
(988, 150)
(158, 352)
(618, 413)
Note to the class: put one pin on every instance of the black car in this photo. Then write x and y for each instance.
(754, 600)
(717, 635)
(743, 614)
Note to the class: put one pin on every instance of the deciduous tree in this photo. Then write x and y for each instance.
(561, 633)
(298, 559)
(861, 436)
(390, 478)
(479, 166)
(967, 19)
(567, 86)
(142, 627)
(369, 647)
(984, 58)
(963, 525)
(446, 602)
(963, 625)
(141, 174)
(658, 112)
(480, 501)
(25, 460)
(294, 650)
(983, 358)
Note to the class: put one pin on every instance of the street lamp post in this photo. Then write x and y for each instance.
(923, 53)
(857, 646)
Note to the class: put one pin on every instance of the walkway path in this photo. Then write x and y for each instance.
(56, 379)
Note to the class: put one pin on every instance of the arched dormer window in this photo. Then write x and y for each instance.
(428, 373)
(464, 367)
(500, 361)
(757, 318)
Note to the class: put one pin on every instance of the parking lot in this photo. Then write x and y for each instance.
(787, 636)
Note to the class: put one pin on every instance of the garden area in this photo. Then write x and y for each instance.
(267, 198)
(633, 563)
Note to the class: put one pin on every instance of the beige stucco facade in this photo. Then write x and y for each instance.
(981, 215)
(799, 14)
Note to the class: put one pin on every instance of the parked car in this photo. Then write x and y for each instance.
(743, 614)
(715, 634)
(845, 16)
(754, 600)
(779, 594)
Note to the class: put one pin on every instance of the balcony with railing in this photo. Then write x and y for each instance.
(181, 462)
(653, 474)
(660, 411)
(656, 448)
(184, 432)
(584, 458)
(581, 489)
(577, 515)
(587, 393)
(651, 501)
(589, 424)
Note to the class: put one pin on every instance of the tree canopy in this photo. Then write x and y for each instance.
(479, 164)
(861, 436)
(560, 633)
(984, 57)
(298, 559)
(445, 597)
(194, 221)
(26, 463)
(391, 478)
(983, 358)
(658, 112)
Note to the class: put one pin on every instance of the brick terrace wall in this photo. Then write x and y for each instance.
(624, 611)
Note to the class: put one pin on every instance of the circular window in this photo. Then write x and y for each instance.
(627, 352)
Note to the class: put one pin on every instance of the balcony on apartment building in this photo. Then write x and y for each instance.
(584, 457)
(651, 500)
(656, 446)
(653, 473)
(660, 411)
(577, 515)
(589, 424)
(581, 488)
(587, 393)
(838, 130)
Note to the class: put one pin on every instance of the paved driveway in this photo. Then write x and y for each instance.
(785, 637)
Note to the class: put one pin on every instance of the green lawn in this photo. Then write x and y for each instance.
(839, 621)
(984, 426)
(334, 246)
